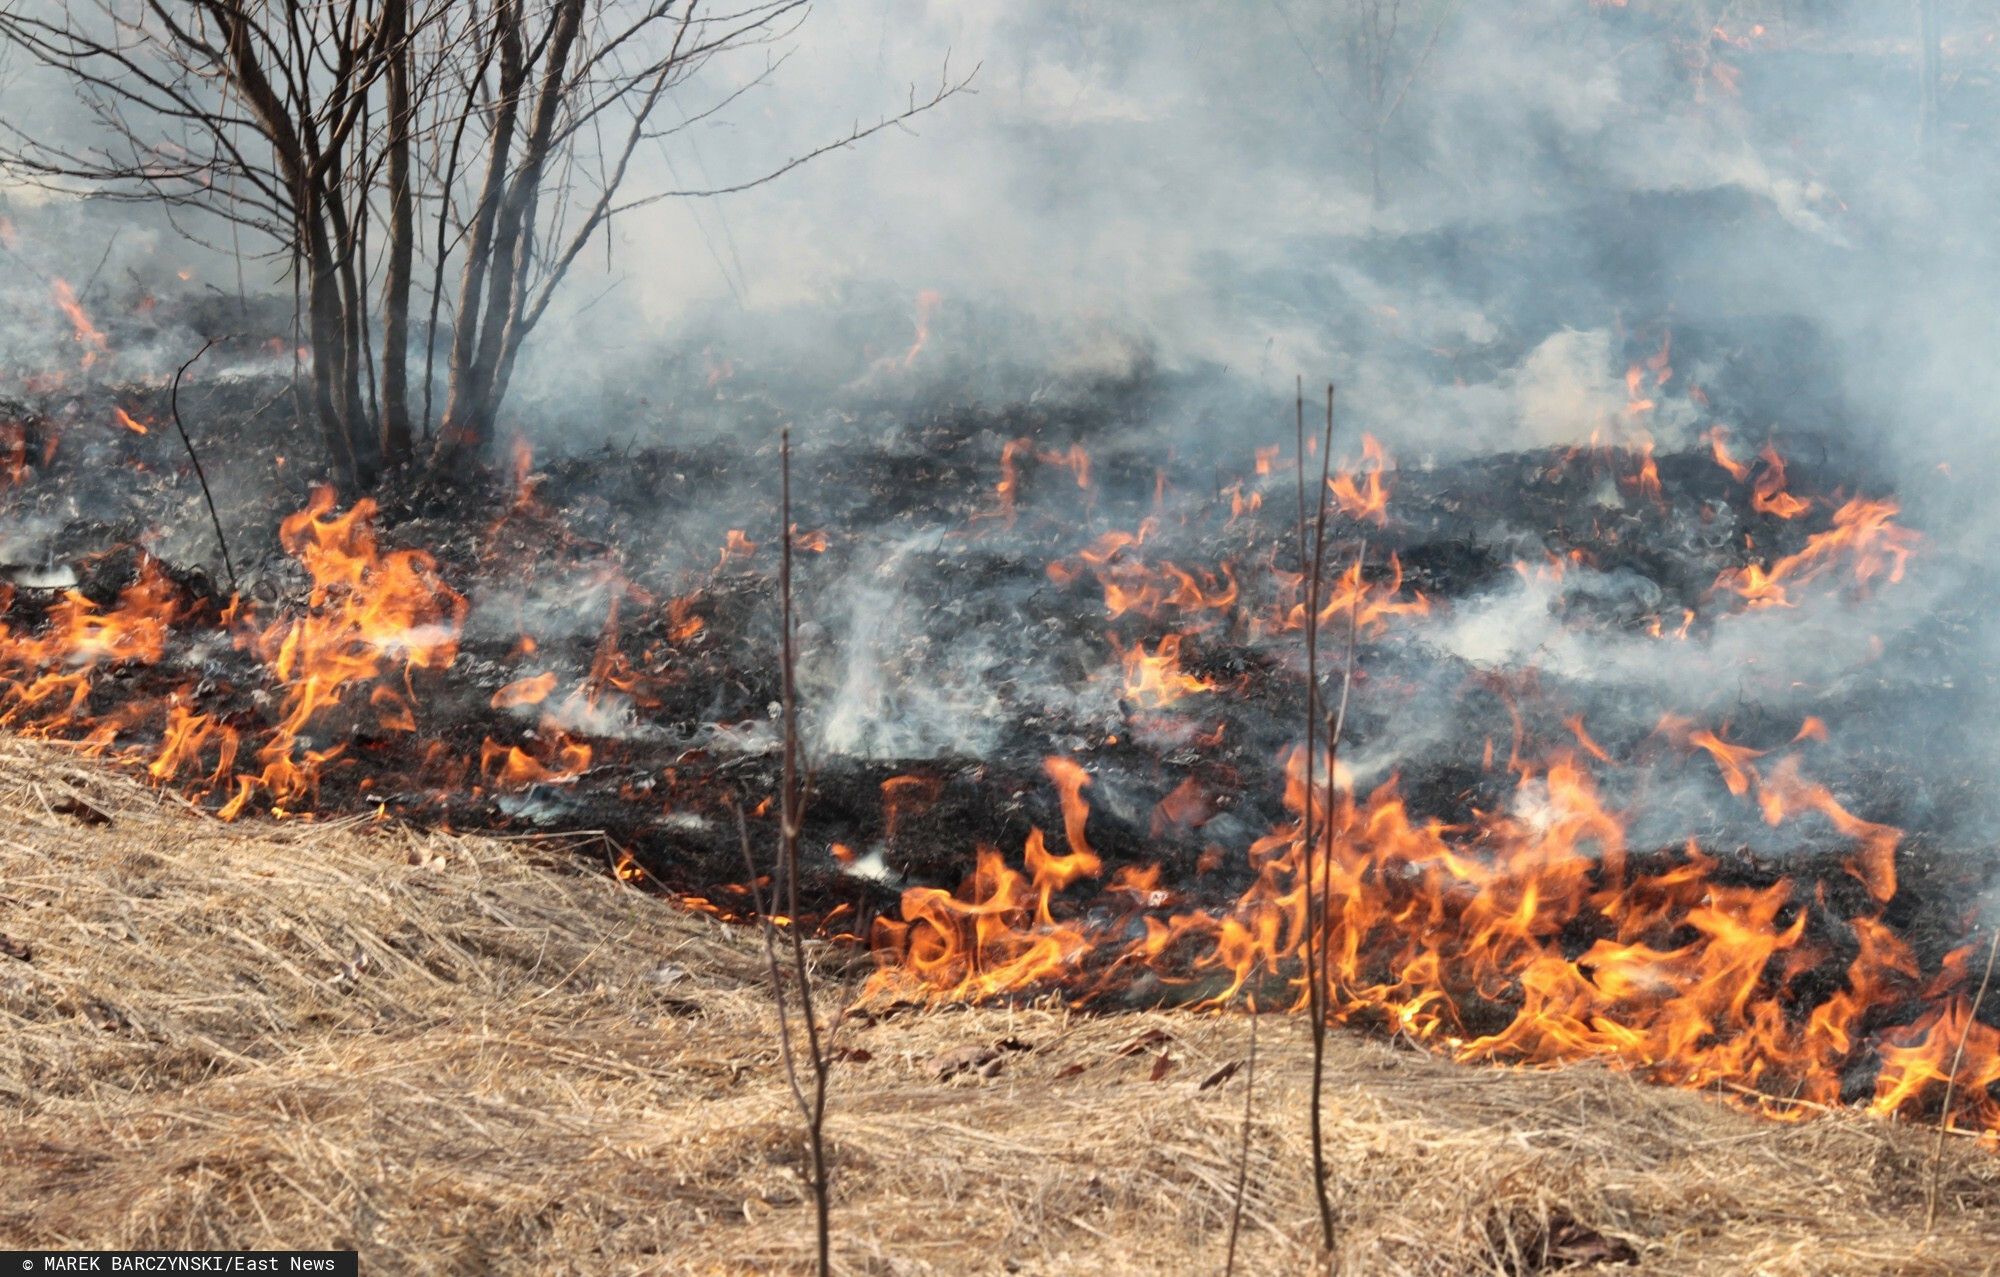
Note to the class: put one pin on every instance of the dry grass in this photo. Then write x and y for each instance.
(467, 1055)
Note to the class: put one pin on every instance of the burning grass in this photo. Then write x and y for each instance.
(1592, 890)
(474, 1055)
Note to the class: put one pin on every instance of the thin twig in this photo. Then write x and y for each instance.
(791, 811)
(201, 477)
(819, 1046)
(1317, 859)
(791, 819)
(1243, 1146)
(99, 268)
(1310, 622)
(1951, 1082)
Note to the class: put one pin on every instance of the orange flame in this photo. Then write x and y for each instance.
(1718, 445)
(927, 304)
(735, 546)
(532, 690)
(1864, 534)
(1368, 500)
(369, 613)
(1457, 937)
(1769, 495)
(511, 767)
(813, 542)
(86, 333)
(1155, 680)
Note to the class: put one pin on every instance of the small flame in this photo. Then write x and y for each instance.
(813, 542)
(532, 690)
(1155, 680)
(1718, 444)
(1368, 500)
(735, 546)
(1769, 495)
(1864, 534)
(927, 304)
(86, 333)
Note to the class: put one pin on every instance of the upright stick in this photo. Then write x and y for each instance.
(1951, 1084)
(1243, 1144)
(791, 814)
(791, 819)
(174, 403)
(1316, 844)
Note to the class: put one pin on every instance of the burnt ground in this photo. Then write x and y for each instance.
(973, 607)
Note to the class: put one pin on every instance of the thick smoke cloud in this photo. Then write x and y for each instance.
(1184, 186)
(1182, 192)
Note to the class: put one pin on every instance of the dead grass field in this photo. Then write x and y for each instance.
(469, 1055)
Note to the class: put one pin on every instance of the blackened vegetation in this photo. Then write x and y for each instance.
(547, 552)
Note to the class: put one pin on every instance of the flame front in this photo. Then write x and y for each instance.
(1527, 937)
(371, 620)
(1532, 933)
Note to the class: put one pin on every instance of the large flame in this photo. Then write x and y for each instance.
(1533, 933)
(1528, 936)
(369, 622)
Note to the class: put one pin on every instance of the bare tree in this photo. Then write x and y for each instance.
(336, 129)
(1388, 49)
(1386, 45)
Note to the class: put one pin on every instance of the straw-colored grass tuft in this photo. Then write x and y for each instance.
(472, 1055)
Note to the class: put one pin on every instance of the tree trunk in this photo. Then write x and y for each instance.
(313, 251)
(361, 439)
(512, 246)
(395, 443)
(327, 329)
(463, 434)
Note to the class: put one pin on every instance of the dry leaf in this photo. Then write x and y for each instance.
(1220, 1076)
(16, 949)
(964, 1059)
(1150, 1038)
(83, 811)
(1162, 1066)
(105, 1016)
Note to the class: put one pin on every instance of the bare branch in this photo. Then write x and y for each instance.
(385, 146)
(946, 90)
(200, 475)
